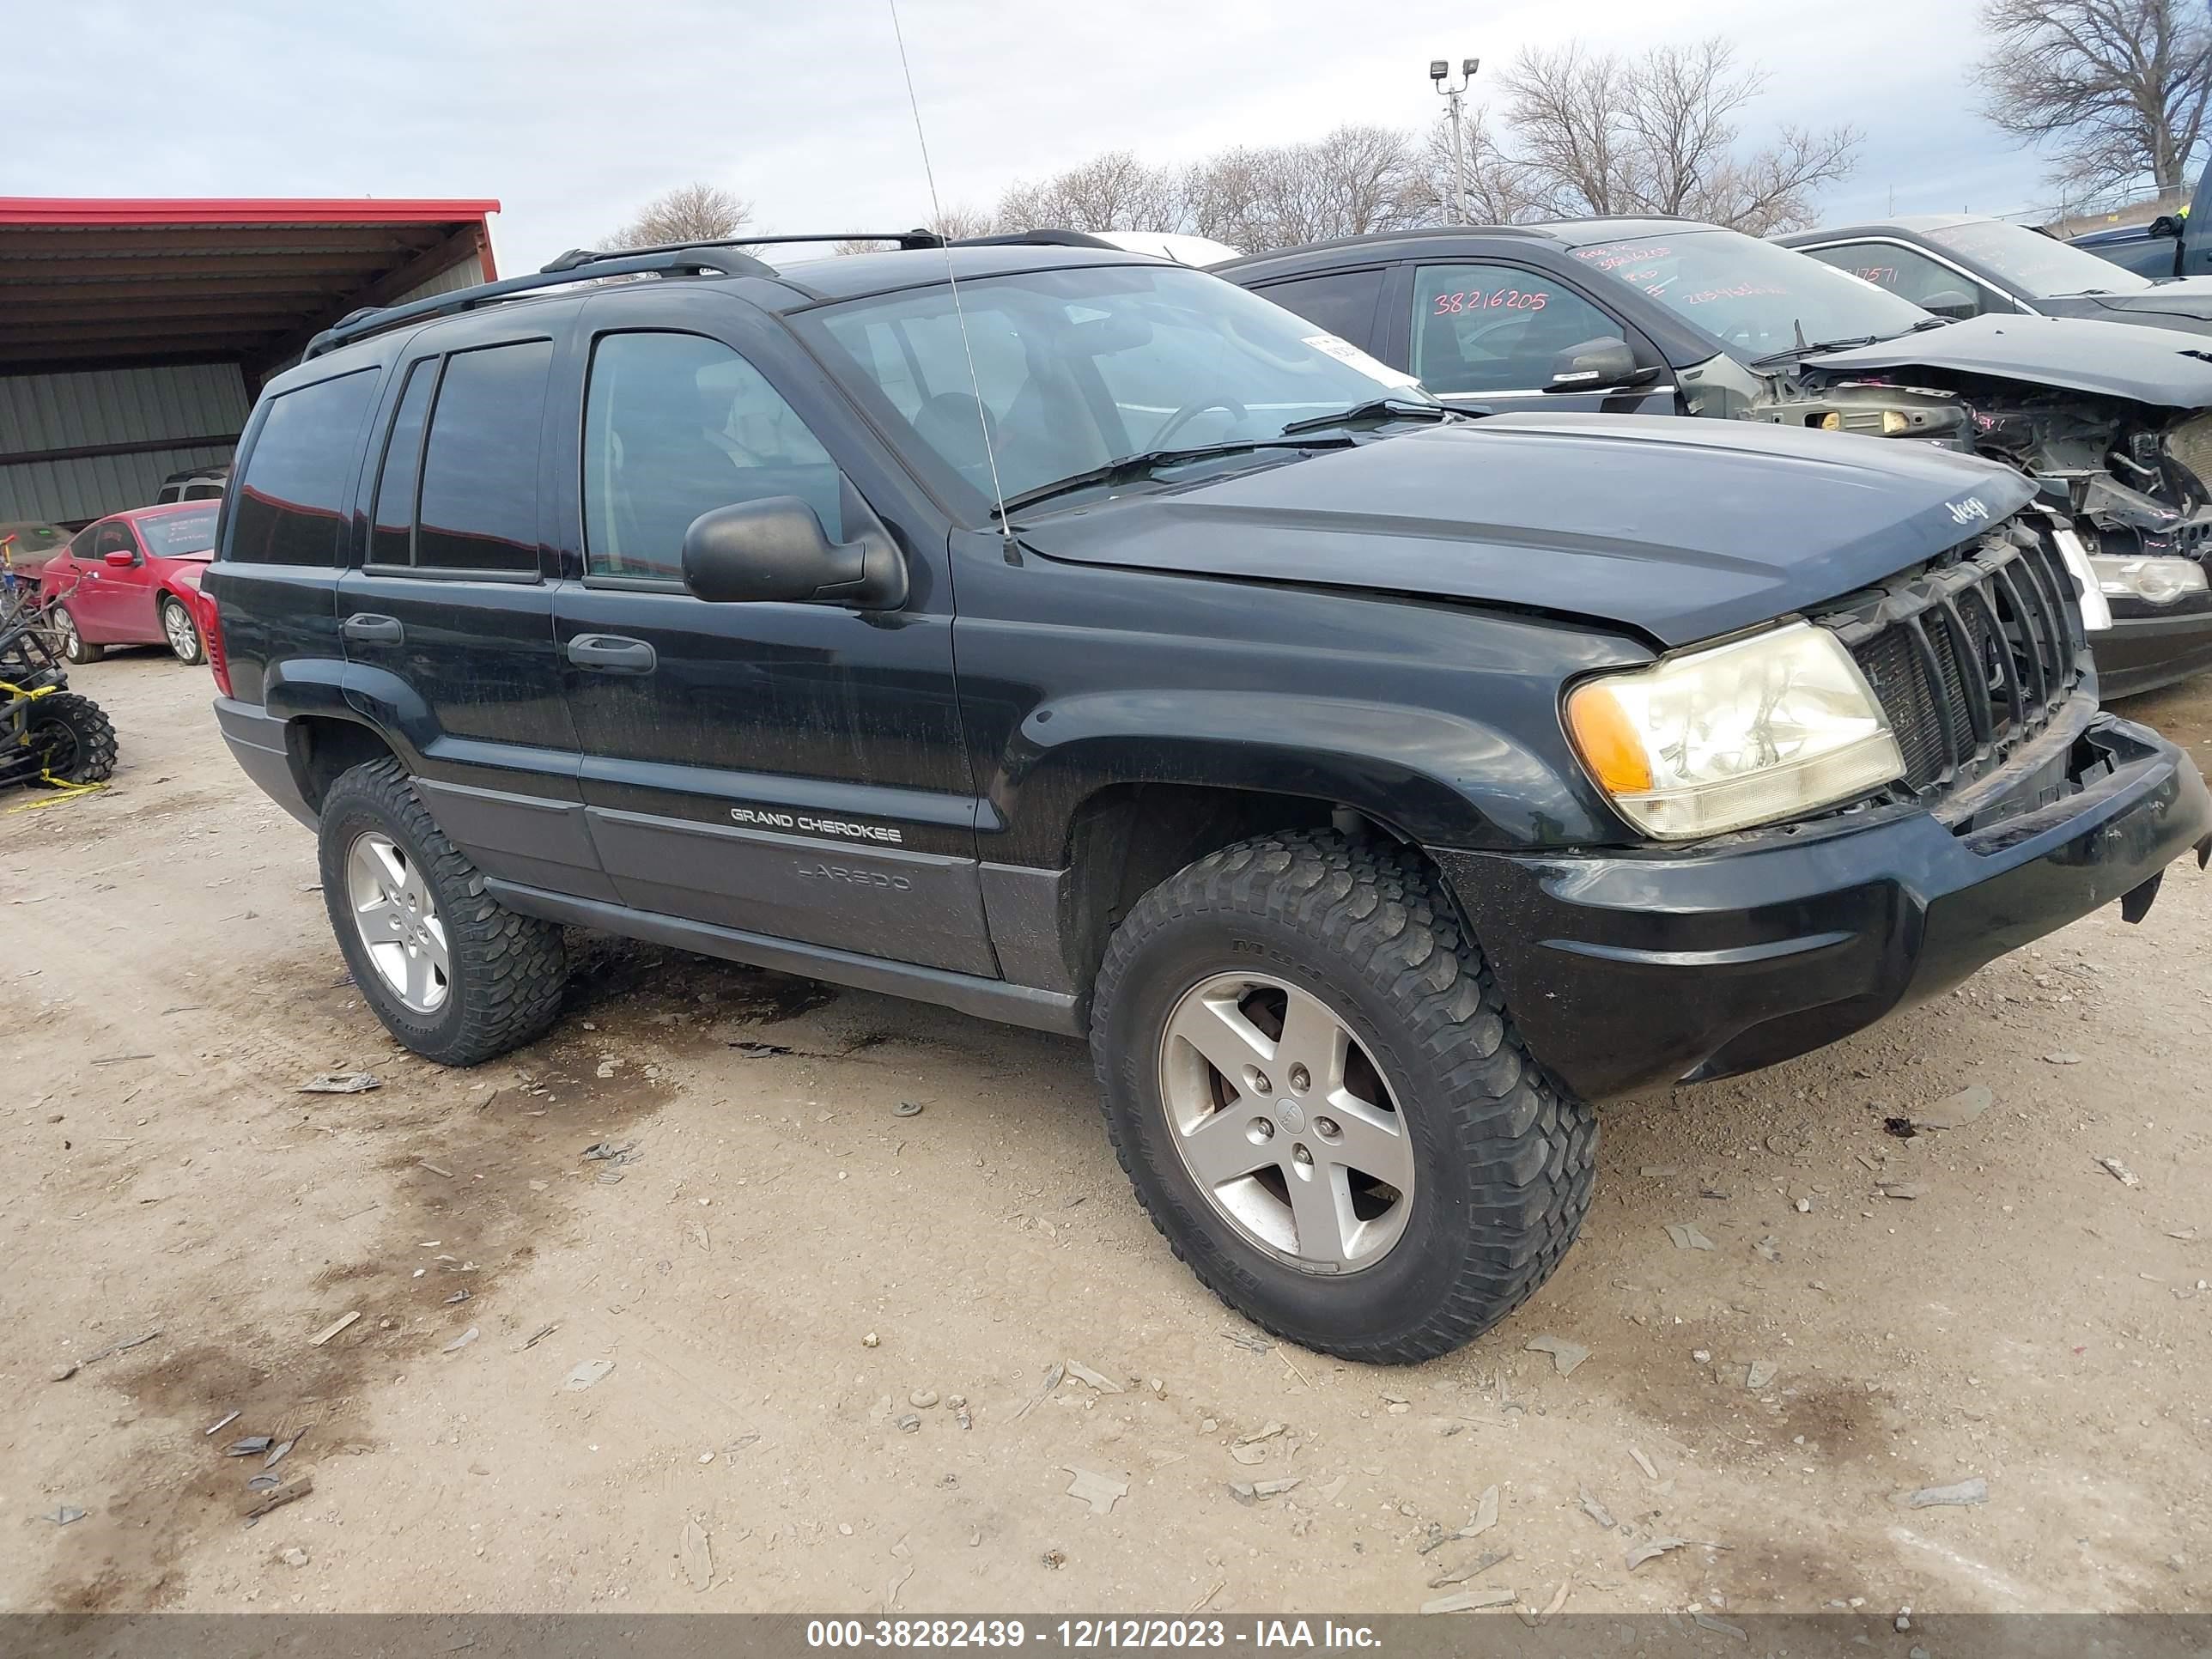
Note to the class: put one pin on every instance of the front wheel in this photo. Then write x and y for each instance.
(452, 973)
(76, 649)
(182, 632)
(1312, 1081)
(73, 738)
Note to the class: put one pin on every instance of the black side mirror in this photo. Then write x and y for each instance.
(1595, 364)
(775, 550)
(2166, 224)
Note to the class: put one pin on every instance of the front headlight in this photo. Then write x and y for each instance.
(1766, 728)
(2159, 582)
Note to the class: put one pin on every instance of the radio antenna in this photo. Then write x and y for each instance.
(960, 316)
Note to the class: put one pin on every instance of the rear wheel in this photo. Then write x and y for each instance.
(1312, 1081)
(452, 973)
(182, 632)
(72, 737)
(75, 648)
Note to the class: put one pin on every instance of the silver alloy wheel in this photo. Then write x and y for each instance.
(397, 921)
(183, 638)
(72, 642)
(1285, 1122)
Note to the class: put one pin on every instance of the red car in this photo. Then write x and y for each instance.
(134, 579)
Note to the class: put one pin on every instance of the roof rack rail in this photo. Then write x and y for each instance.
(360, 324)
(576, 257)
(1039, 239)
(725, 258)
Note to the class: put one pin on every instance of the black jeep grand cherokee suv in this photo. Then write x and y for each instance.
(1375, 785)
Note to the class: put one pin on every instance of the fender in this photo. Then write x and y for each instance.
(1441, 778)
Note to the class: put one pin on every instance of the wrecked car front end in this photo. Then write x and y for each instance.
(2114, 425)
(2127, 483)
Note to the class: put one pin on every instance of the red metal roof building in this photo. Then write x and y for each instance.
(134, 333)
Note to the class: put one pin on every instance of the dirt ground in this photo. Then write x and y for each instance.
(795, 1275)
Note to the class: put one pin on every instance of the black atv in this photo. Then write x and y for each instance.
(48, 734)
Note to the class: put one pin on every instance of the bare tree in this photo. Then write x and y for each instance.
(1221, 198)
(1597, 133)
(1500, 189)
(1356, 179)
(1112, 191)
(959, 221)
(689, 213)
(2114, 88)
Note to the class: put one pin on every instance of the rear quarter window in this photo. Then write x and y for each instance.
(297, 480)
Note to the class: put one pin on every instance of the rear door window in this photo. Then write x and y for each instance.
(1343, 301)
(1497, 327)
(478, 502)
(298, 479)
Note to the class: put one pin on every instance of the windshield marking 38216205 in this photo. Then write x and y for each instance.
(1090, 374)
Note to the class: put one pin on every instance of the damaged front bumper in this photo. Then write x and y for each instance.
(2149, 646)
(1630, 969)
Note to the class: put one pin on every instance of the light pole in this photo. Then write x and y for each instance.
(1454, 99)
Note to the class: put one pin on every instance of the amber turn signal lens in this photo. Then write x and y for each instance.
(1607, 741)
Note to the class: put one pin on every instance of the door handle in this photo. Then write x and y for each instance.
(612, 653)
(372, 630)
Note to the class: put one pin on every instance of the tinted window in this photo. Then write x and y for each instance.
(298, 479)
(1343, 302)
(1907, 273)
(205, 492)
(113, 537)
(392, 539)
(674, 425)
(178, 535)
(1497, 328)
(479, 497)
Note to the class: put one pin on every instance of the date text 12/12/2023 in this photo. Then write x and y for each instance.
(1089, 1635)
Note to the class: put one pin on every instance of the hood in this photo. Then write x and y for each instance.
(2184, 303)
(2145, 365)
(1682, 530)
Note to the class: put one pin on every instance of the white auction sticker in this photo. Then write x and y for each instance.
(1373, 368)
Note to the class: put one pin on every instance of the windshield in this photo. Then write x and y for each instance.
(1080, 368)
(2033, 264)
(21, 539)
(179, 535)
(1753, 296)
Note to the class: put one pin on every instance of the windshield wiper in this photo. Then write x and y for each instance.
(1804, 350)
(1135, 466)
(1373, 408)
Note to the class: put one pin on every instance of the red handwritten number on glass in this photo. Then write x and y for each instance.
(1504, 298)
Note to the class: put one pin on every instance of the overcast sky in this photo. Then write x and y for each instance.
(572, 114)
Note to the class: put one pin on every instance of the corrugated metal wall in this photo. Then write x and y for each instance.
(111, 406)
(467, 274)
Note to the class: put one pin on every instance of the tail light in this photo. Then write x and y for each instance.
(217, 662)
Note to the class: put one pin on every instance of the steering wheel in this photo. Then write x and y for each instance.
(1190, 412)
